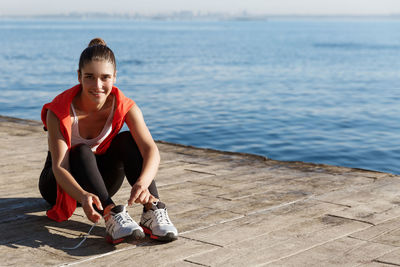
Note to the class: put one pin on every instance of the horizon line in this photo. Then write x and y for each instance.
(194, 15)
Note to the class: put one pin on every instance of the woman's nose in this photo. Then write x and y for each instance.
(99, 83)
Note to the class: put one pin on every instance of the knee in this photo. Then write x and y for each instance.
(124, 137)
(126, 140)
(79, 152)
(125, 144)
(80, 148)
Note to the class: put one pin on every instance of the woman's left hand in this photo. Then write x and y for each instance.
(140, 194)
(87, 202)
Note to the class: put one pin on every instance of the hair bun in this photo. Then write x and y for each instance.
(97, 41)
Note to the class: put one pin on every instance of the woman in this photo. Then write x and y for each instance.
(88, 158)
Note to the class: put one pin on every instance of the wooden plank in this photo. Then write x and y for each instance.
(392, 258)
(342, 252)
(385, 233)
(362, 194)
(279, 244)
(20, 255)
(258, 224)
(231, 209)
(150, 253)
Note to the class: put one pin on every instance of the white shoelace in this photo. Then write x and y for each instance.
(162, 217)
(120, 216)
(85, 236)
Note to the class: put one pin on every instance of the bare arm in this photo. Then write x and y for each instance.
(60, 164)
(150, 154)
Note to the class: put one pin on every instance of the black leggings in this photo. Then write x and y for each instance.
(102, 174)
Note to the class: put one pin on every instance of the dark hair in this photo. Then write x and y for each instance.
(97, 50)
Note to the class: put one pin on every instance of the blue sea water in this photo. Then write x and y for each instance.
(323, 91)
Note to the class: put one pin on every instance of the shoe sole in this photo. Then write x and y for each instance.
(136, 235)
(167, 238)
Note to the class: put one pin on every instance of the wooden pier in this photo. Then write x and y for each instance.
(231, 209)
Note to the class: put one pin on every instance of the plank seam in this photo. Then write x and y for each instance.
(386, 262)
(196, 263)
(209, 173)
(98, 256)
(330, 202)
(309, 248)
(352, 219)
(204, 242)
(373, 241)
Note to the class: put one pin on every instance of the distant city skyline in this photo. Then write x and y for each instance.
(153, 7)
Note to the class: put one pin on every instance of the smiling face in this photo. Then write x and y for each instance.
(97, 79)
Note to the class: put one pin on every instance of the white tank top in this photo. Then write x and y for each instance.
(94, 142)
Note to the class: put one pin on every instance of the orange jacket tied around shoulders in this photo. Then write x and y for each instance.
(60, 106)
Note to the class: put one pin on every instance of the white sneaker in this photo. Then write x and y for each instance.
(120, 225)
(156, 223)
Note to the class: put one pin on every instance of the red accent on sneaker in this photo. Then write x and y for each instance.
(148, 232)
(112, 241)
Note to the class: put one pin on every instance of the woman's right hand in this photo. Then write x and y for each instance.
(87, 202)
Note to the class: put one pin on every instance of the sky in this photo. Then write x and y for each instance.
(149, 7)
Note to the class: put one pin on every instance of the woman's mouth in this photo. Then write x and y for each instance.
(97, 93)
